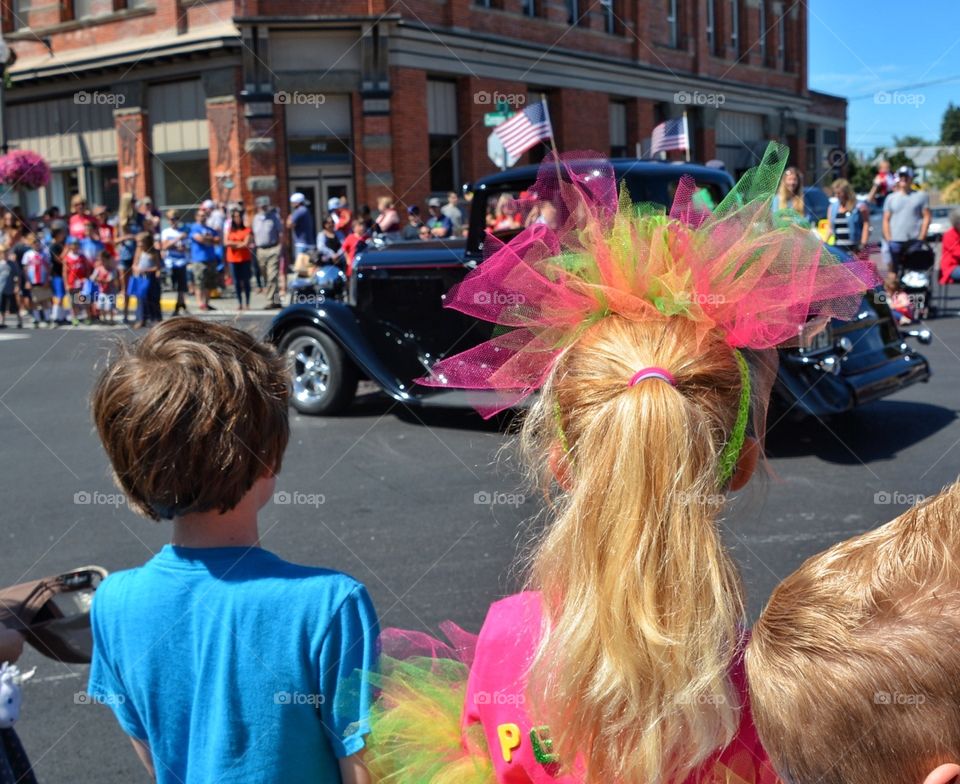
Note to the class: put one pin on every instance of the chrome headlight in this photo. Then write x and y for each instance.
(330, 280)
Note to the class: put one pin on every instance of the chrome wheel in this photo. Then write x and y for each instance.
(309, 369)
(322, 380)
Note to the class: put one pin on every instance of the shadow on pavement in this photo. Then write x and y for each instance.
(376, 403)
(878, 431)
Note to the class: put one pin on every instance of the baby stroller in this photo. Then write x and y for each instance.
(916, 274)
(53, 614)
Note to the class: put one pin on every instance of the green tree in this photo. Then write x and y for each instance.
(859, 174)
(910, 141)
(899, 159)
(946, 168)
(950, 127)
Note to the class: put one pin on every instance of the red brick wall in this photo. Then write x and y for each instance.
(643, 40)
(640, 123)
(373, 160)
(114, 27)
(265, 163)
(408, 124)
(133, 154)
(226, 150)
(581, 120)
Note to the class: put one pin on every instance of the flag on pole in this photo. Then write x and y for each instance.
(670, 135)
(524, 130)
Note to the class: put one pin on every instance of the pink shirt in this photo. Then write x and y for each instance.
(78, 224)
(495, 699)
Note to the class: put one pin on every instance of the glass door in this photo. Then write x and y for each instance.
(311, 189)
(340, 186)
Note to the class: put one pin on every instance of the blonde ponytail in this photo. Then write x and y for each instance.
(642, 604)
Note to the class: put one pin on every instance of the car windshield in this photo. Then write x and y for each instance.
(509, 210)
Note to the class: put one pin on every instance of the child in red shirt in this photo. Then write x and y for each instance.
(37, 269)
(77, 268)
(354, 243)
(104, 279)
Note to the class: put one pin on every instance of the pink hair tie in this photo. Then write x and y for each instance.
(653, 372)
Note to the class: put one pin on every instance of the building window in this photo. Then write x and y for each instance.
(618, 130)
(781, 38)
(85, 9)
(673, 24)
(529, 7)
(762, 43)
(609, 17)
(574, 14)
(21, 13)
(712, 26)
(181, 181)
(443, 135)
(735, 26)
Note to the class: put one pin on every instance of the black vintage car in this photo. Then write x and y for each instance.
(388, 323)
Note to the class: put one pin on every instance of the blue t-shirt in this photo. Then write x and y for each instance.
(199, 252)
(302, 220)
(128, 248)
(91, 248)
(236, 666)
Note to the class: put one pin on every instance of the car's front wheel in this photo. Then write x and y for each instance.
(322, 378)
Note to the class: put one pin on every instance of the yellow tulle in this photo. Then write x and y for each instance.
(415, 733)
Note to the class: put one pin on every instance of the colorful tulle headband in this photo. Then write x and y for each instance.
(738, 269)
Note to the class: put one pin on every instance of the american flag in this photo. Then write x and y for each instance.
(670, 135)
(524, 130)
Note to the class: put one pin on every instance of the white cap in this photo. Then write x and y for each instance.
(208, 204)
(297, 198)
(333, 203)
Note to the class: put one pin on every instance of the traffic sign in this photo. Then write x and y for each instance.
(492, 119)
(837, 157)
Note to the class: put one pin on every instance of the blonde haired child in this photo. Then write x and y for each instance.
(622, 662)
(854, 669)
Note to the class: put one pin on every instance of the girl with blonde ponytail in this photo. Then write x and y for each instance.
(649, 337)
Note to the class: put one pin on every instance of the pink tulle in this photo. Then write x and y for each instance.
(403, 644)
(741, 269)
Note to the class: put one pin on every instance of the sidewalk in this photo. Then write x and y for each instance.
(226, 305)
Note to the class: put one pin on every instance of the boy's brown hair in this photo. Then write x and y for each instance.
(191, 415)
(854, 665)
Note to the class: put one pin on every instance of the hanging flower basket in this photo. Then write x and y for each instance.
(23, 169)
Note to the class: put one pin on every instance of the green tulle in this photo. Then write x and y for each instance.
(415, 733)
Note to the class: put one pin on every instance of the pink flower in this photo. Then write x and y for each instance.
(24, 169)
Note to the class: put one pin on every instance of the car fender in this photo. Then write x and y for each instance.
(339, 322)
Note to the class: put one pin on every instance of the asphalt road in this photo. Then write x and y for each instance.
(403, 502)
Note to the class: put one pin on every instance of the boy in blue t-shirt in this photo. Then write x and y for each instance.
(222, 662)
(203, 258)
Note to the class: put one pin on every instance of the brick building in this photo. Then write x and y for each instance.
(182, 99)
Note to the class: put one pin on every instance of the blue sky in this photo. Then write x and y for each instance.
(856, 52)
